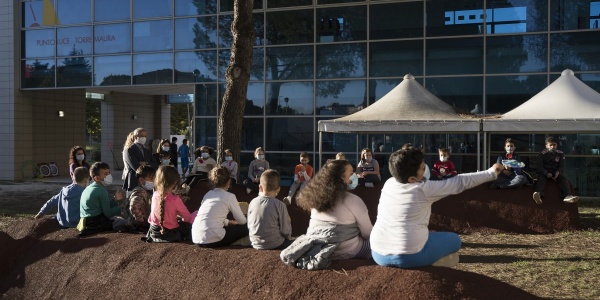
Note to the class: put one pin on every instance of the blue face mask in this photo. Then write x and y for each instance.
(353, 182)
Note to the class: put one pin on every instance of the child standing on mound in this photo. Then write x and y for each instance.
(303, 172)
(211, 227)
(166, 207)
(269, 223)
(400, 237)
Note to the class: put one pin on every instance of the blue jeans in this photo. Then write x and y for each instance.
(438, 245)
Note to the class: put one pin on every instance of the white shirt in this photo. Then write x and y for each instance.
(351, 210)
(404, 210)
(208, 227)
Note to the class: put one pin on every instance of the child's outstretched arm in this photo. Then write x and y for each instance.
(435, 190)
(49, 204)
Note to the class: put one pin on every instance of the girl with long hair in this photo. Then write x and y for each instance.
(77, 158)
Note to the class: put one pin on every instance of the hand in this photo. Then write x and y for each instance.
(120, 195)
(38, 216)
(549, 175)
(232, 222)
(498, 168)
(556, 176)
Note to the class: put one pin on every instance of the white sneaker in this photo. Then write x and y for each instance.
(571, 199)
(538, 198)
(447, 261)
(248, 191)
(369, 184)
(287, 200)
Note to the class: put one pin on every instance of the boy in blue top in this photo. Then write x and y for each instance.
(97, 208)
(68, 199)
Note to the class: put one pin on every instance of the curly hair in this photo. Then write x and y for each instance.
(73, 159)
(199, 150)
(219, 177)
(326, 188)
(166, 178)
(405, 163)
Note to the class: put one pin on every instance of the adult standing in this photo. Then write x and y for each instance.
(128, 142)
(173, 152)
(137, 155)
(184, 153)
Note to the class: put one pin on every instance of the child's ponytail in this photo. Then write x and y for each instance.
(162, 211)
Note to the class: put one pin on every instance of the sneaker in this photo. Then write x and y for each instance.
(244, 242)
(537, 198)
(287, 200)
(571, 199)
(248, 191)
(447, 261)
(185, 188)
(369, 184)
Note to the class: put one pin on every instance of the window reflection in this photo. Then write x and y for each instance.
(287, 63)
(227, 5)
(576, 51)
(465, 94)
(74, 11)
(449, 17)
(205, 131)
(396, 58)
(342, 24)
(287, 3)
(152, 8)
(290, 27)
(114, 38)
(290, 98)
(337, 142)
(454, 56)
(206, 99)
(379, 88)
(74, 71)
(507, 92)
(37, 73)
(32, 13)
(38, 43)
(196, 33)
(341, 97)
(255, 99)
(290, 134)
(341, 61)
(109, 10)
(515, 54)
(153, 68)
(226, 37)
(193, 7)
(112, 70)
(197, 66)
(73, 41)
(396, 20)
(574, 14)
(153, 36)
(252, 134)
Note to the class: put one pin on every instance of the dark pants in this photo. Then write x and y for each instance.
(181, 233)
(193, 179)
(251, 185)
(232, 234)
(563, 184)
(284, 245)
(95, 224)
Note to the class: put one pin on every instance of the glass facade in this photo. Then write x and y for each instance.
(316, 59)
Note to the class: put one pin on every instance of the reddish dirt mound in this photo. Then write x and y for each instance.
(55, 264)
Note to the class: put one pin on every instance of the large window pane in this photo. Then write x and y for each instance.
(206, 132)
(153, 36)
(321, 2)
(574, 14)
(197, 66)
(226, 37)
(463, 93)
(341, 97)
(74, 41)
(592, 80)
(287, 3)
(396, 20)
(32, 13)
(516, 54)
(255, 99)
(152, 8)
(451, 17)
(336, 142)
(37, 73)
(341, 61)
(396, 58)
(342, 24)
(290, 134)
(74, 71)
(114, 38)
(38, 43)
(74, 11)
(290, 27)
(577, 51)
(505, 93)
(206, 99)
(516, 16)
(112, 70)
(196, 33)
(257, 71)
(153, 68)
(252, 134)
(454, 56)
(193, 8)
(109, 10)
(290, 98)
(288, 63)
(227, 5)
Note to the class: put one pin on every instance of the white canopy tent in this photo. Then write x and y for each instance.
(407, 108)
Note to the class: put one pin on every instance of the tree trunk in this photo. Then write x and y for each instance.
(231, 117)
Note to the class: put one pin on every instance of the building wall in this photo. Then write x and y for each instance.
(8, 86)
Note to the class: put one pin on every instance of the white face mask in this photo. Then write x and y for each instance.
(149, 185)
(141, 140)
(166, 162)
(205, 155)
(443, 158)
(165, 148)
(509, 149)
(260, 157)
(80, 157)
(228, 158)
(107, 180)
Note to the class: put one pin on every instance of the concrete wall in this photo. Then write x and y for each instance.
(8, 85)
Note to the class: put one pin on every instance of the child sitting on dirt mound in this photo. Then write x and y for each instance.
(443, 168)
(269, 223)
(68, 200)
(551, 165)
(511, 177)
(400, 237)
(166, 208)
(138, 209)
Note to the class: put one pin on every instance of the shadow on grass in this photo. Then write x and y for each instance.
(589, 220)
(507, 259)
(499, 246)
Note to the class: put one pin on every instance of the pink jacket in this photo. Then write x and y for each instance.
(173, 207)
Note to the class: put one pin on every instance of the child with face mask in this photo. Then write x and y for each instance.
(551, 165)
(162, 154)
(443, 168)
(303, 172)
(511, 177)
(140, 199)
(202, 165)
(230, 165)
(368, 169)
(256, 168)
(353, 178)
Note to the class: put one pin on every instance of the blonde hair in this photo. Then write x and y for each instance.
(129, 140)
(340, 156)
(166, 178)
(258, 150)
